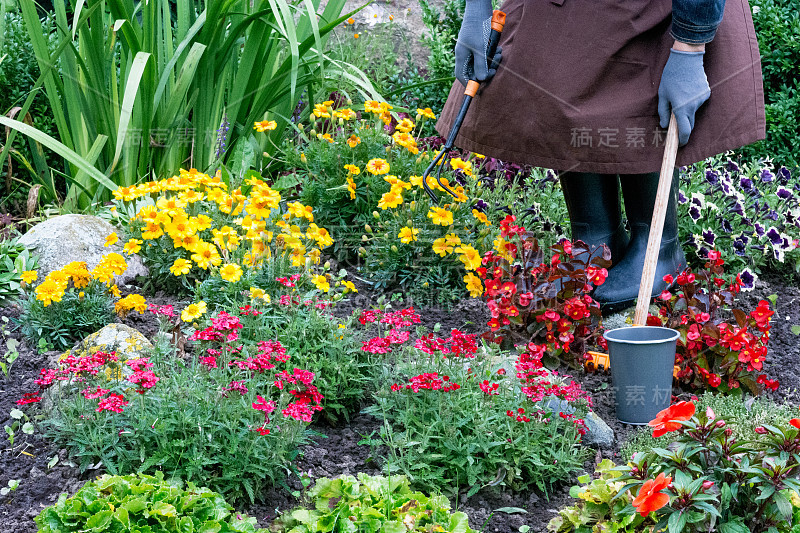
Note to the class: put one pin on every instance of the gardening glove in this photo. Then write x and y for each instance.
(683, 89)
(473, 41)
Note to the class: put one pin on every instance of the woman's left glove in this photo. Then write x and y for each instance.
(683, 89)
(473, 41)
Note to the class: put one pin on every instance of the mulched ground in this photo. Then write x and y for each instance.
(339, 453)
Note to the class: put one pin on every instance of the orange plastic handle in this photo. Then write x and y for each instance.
(472, 88)
(498, 20)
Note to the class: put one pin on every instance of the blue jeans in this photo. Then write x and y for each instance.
(696, 21)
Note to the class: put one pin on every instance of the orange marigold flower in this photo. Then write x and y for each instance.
(669, 419)
(378, 167)
(265, 125)
(650, 497)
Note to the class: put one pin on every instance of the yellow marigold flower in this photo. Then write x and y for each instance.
(255, 292)
(111, 239)
(479, 156)
(114, 262)
(452, 238)
(351, 187)
(377, 167)
(132, 302)
(79, 272)
(170, 204)
(133, 246)
(349, 286)
(265, 125)
(352, 169)
(114, 290)
(188, 242)
(180, 227)
(191, 196)
(147, 213)
(193, 311)
(180, 267)
(481, 217)
(201, 222)
(344, 114)
(441, 247)
(231, 272)
(441, 217)
(326, 137)
(474, 285)
(372, 106)
(206, 255)
(404, 139)
(469, 256)
(351, 20)
(397, 184)
(321, 282)
(390, 199)
(459, 164)
(29, 276)
(407, 234)
(152, 231)
(50, 291)
(353, 141)
(405, 125)
(386, 117)
(300, 211)
(321, 111)
(427, 113)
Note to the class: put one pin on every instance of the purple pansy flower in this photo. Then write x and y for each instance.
(694, 212)
(709, 236)
(774, 236)
(748, 279)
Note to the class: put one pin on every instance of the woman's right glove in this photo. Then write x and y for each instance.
(473, 41)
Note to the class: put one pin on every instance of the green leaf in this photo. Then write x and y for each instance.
(99, 521)
(676, 522)
(511, 510)
(796, 329)
(784, 505)
(61, 149)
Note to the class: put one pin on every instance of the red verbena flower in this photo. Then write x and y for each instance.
(114, 402)
(29, 397)
(93, 394)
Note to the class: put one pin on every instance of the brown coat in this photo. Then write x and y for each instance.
(577, 88)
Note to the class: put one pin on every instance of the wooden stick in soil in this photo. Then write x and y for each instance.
(657, 224)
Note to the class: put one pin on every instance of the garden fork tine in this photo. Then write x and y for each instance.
(498, 21)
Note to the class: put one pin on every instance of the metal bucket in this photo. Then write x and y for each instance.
(642, 360)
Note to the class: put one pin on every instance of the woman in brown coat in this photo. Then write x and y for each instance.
(586, 87)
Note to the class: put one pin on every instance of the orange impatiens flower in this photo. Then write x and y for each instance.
(669, 419)
(650, 497)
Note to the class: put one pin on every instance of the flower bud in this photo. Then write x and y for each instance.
(367, 228)
(300, 127)
(394, 248)
(409, 222)
(761, 430)
(364, 238)
(349, 102)
(720, 423)
(376, 215)
(362, 251)
(413, 205)
(707, 484)
(266, 154)
(341, 121)
(388, 149)
(728, 432)
(313, 132)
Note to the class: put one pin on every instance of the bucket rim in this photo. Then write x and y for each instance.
(675, 335)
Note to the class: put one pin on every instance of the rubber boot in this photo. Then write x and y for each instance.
(595, 213)
(621, 288)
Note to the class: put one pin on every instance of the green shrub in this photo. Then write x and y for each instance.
(777, 24)
(371, 505)
(140, 503)
(229, 417)
(18, 74)
(459, 417)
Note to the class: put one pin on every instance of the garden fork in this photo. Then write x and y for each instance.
(498, 21)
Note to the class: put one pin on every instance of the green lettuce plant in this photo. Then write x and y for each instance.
(141, 503)
(371, 504)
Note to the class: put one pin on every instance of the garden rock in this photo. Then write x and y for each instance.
(127, 342)
(598, 433)
(67, 238)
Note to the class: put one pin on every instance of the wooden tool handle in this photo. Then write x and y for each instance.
(657, 224)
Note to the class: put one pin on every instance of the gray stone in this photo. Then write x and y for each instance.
(598, 433)
(66, 238)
